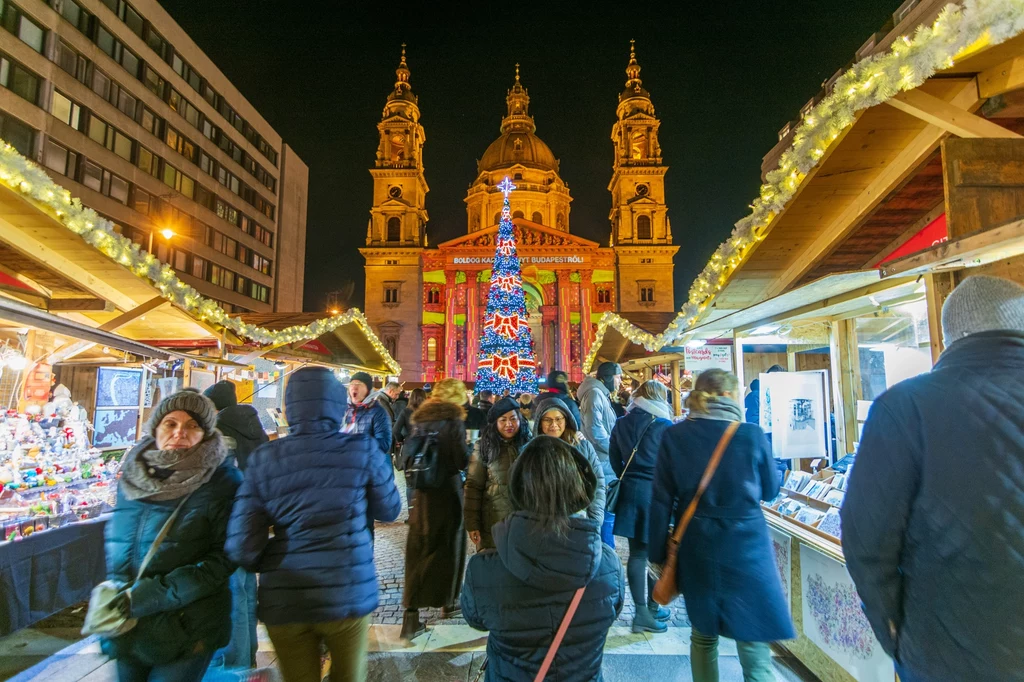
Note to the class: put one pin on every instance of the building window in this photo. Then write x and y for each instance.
(537, 218)
(497, 218)
(68, 59)
(643, 227)
(391, 294)
(17, 134)
(141, 203)
(260, 292)
(149, 120)
(30, 33)
(19, 80)
(646, 261)
(153, 82)
(604, 295)
(394, 229)
(148, 162)
(390, 261)
(92, 175)
(434, 296)
(431, 350)
(518, 214)
(118, 189)
(198, 267)
(172, 177)
(59, 159)
(646, 292)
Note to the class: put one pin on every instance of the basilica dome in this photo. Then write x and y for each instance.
(518, 147)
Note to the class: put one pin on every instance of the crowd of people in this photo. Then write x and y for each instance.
(541, 485)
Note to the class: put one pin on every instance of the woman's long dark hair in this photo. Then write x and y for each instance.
(417, 398)
(491, 441)
(546, 480)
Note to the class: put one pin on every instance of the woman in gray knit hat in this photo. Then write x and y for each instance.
(175, 475)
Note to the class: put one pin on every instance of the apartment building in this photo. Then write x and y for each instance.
(117, 99)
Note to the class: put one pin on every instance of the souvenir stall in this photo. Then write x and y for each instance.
(895, 183)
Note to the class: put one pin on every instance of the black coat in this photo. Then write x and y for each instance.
(183, 602)
(521, 591)
(726, 566)
(317, 488)
(242, 423)
(933, 522)
(632, 514)
(435, 555)
(402, 427)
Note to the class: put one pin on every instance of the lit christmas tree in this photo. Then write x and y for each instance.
(506, 349)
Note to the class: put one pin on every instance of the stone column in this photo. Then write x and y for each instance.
(550, 314)
(449, 323)
(473, 333)
(564, 325)
(586, 304)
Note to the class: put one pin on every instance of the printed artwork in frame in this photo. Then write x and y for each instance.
(118, 387)
(834, 622)
(782, 548)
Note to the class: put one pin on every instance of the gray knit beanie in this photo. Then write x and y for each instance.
(981, 304)
(196, 404)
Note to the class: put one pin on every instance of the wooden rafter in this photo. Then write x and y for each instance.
(1002, 78)
(951, 118)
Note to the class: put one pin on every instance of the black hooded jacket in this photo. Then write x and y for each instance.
(241, 423)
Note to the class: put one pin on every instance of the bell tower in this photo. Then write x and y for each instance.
(641, 232)
(399, 216)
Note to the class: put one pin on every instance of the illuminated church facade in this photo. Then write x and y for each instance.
(427, 303)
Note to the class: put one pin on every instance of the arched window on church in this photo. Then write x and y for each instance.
(431, 350)
(537, 218)
(394, 229)
(643, 227)
(497, 218)
(518, 214)
(638, 146)
(517, 176)
(397, 148)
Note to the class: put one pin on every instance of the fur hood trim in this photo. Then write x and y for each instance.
(435, 410)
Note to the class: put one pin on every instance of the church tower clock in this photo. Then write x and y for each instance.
(641, 233)
(396, 234)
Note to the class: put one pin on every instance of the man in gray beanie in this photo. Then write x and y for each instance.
(933, 522)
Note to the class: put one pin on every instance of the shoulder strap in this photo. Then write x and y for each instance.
(160, 537)
(637, 446)
(705, 480)
(562, 629)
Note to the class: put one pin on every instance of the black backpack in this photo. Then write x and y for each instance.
(421, 460)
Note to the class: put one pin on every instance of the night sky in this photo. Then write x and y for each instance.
(724, 78)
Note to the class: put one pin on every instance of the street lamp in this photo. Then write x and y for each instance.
(166, 233)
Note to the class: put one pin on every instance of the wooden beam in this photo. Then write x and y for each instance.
(64, 305)
(135, 313)
(845, 360)
(26, 244)
(938, 286)
(858, 209)
(949, 117)
(677, 403)
(999, 243)
(1001, 78)
(873, 308)
(908, 233)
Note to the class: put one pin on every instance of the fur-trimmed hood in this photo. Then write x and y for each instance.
(434, 410)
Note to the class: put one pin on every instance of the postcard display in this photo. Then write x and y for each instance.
(50, 475)
(834, 639)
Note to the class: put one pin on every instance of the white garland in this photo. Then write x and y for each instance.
(22, 175)
(873, 80)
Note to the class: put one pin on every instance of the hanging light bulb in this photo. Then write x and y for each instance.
(16, 361)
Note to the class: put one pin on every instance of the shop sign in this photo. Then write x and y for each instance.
(525, 260)
(932, 234)
(708, 357)
(315, 346)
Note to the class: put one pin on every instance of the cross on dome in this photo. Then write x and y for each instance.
(506, 186)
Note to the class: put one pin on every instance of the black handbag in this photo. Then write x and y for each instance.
(612, 496)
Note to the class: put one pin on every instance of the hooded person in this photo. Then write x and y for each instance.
(933, 519)
(598, 417)
(364, 414)
(554, 419)
(558, 387)
(182, 601)
(752, 402)
(240, 424)
(547, 550)
(302, 521)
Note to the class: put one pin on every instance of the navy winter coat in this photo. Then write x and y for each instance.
(371, 419)
(242, 424)
(726, 567)
(632, 514)
(521, 591)
(318, 488)
(933, 523)
(183, 602)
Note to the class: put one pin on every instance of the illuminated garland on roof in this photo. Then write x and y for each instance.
(20, 174)
(907, 64)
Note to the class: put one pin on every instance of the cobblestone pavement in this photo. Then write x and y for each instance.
(389, 554)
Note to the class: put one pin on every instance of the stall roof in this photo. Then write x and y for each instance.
(349, 345)
(615, 344)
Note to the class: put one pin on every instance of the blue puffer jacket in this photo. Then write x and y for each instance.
(318, 488)
(933, 523)
(183, 602)
(373, 420)
(521, 591)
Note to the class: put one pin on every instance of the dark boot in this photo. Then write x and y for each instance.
(411, 625)
(644, 621)
(660, 613)
(453, 611)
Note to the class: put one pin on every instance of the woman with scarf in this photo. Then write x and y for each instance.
(487, 500)
(633, 452)
(554, 419)
(182, 601)
(726, 567)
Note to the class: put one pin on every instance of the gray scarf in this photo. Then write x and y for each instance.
(655, 408)
(161, 475)
(720, 408)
